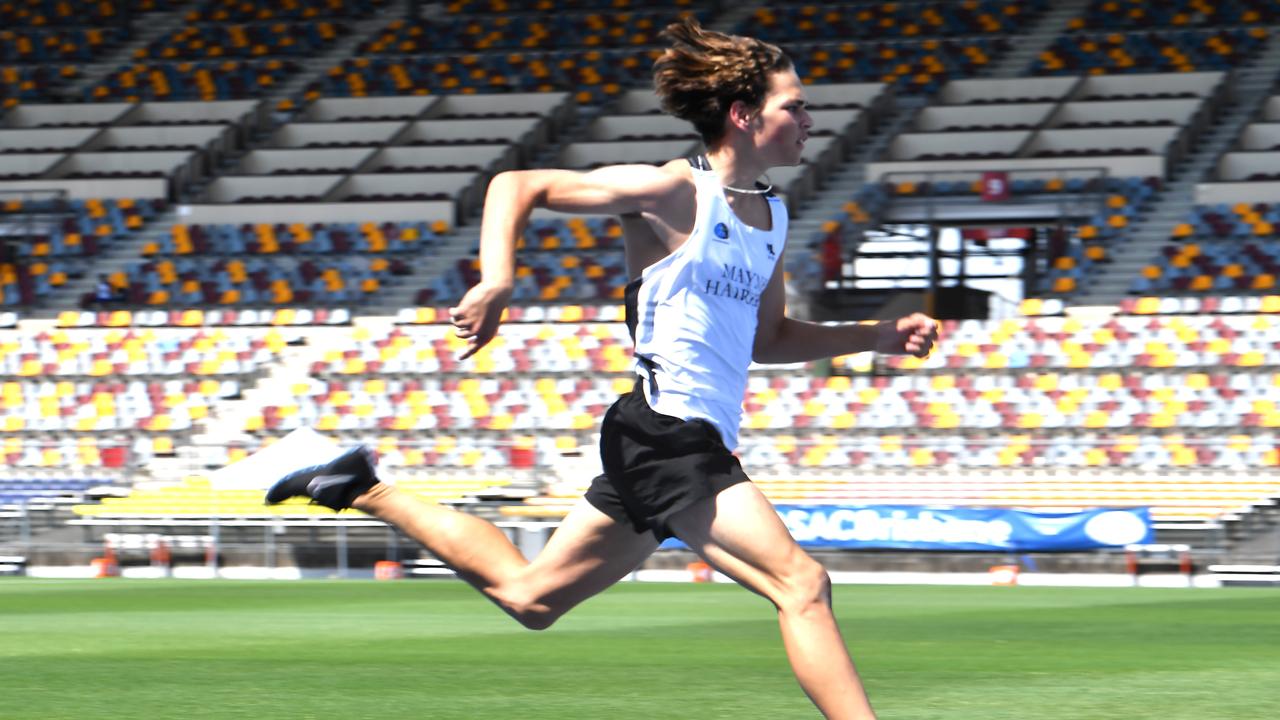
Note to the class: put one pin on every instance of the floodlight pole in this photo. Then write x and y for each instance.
(211, 555)
(931, 227)
(342, 549)
(24, 527)
(931, 291)
(393, 544)
(269, 545)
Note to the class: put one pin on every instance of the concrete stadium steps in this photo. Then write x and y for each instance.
(1251, 86)
(146, 29)
(116, 257)
(1028, 45)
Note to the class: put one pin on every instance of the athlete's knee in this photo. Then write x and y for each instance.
(805, 587)
(535, 617)
(525, 607)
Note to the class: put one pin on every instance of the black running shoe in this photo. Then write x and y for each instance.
(334, 484)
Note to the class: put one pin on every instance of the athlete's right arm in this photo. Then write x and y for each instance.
(512, 197)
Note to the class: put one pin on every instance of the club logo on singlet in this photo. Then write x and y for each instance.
(721, 232)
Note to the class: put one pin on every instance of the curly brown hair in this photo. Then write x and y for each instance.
(704, 72)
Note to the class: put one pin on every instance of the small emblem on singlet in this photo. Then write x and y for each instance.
(722, 231)
(769, 246)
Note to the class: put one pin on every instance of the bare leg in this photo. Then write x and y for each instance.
(739, 533)
(588, 552)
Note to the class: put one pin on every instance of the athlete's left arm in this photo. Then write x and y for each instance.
(781, 339)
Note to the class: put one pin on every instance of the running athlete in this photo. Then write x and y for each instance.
(705, 244)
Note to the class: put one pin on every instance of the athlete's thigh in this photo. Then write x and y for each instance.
(739, 532)
(588, 552)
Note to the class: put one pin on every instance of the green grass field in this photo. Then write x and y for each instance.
(434, 649)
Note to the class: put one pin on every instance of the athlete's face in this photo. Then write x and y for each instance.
(783, 122)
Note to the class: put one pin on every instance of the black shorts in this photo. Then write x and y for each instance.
(656, 465)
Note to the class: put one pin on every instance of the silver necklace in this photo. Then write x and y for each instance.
(752, 191)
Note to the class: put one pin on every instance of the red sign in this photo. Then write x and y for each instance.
(995, 186)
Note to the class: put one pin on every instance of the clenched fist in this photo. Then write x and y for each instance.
(915, 334)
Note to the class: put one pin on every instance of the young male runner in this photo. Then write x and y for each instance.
(704, 244)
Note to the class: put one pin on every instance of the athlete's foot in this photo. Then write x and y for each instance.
(335, 484)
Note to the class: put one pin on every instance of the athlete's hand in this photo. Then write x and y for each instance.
(478, 314)
(915, 334)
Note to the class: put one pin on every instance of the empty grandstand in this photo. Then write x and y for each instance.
(222, 222)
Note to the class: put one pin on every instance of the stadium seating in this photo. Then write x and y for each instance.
(227, 50)
(1173, 51)
(54, 241)
(256, 280)
(43, 406)
(469, 32)
(506, 53)
(888, 20)
(120, 397)
(176, 353)
(359, 154)
(298, 238)
(57, 45)
(821, 38)
(196, 498)
(1219, 247)
(197, 80)
(817, 473)
(23, 491)
(234, 11)
(250, 40)
(568, 259)
(1137, 15)
(532, 378)
(593, 75)
(23, 83)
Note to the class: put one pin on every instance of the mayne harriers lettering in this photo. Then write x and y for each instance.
(738, 284)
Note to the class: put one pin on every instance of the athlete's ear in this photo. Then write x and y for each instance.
(741, 115)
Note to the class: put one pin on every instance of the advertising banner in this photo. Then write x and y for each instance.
(922, 527)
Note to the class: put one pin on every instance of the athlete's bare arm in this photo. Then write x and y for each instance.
(781, 339)
(659, 194)
(643, 247)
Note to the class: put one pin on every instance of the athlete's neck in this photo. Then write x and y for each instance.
(733, 169)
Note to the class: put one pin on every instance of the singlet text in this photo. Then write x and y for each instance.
(737, 283)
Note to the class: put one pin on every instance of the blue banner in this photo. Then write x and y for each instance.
(922, 527)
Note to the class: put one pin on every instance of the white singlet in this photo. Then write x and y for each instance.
(694, 313)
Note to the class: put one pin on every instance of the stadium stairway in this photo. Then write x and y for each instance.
(827, 202)
(116, 256)
(1255, 537)
(314, 67)
(461, 244)
(1028, 45)
(1250, 87)
(12, 534)
(145, 29)
(225, 425)
(466, 238)
(127, 251)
